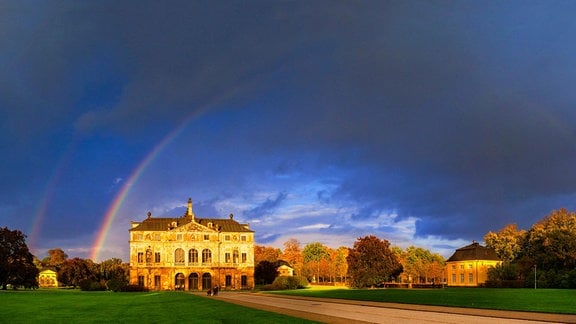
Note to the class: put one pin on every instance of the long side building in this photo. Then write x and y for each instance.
(189, 253)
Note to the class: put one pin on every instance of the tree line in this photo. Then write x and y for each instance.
(543, 256)
(370, 262)
(19, 268)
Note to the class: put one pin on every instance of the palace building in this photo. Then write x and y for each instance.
(189, 253)
(468, 266)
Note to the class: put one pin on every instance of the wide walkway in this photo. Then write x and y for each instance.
(349, 311)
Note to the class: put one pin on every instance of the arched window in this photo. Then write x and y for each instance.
(179, 281)
(193, 281)
(235, 256)
(193, 256)
(179, 256)
(206, 281)
(206, 256)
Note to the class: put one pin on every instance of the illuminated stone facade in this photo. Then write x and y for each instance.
(47, 278)
(468, 266)
(285, 270)
(189, 253)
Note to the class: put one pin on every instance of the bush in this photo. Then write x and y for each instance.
(135, 288)
(117, 284)
(565, 279)
(266, 287)
(505, 284)
(90, 285)
(289, 282)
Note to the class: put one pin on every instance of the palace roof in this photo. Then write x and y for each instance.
(474, 251)
(169, 223)
(191, 222)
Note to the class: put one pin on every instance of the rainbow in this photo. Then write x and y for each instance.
(132, 179)
(119, 199)
(49, 192)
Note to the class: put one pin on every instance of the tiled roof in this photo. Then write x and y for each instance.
(164, 223)
(473, 251)
(225, 225)
(159, 224)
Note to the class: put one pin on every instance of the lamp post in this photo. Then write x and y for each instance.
(535, 280)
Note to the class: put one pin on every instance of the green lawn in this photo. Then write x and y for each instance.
(537, 300)
(74, 306)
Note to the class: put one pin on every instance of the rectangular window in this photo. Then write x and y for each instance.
(206, 237)
(453, 278)
(227, 257)
(141, 281)
(244, 257)
(157, 281)
(140, 257)
(461, 267)
(226, 237)
(453, 267)
(244, 281)
(157, 257)
(470, 266)
(157, 236)
(461, 278)
(139, 237)
(470, 278)
(243, 238)
(228, 280)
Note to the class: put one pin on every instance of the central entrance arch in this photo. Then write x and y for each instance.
(193, 281)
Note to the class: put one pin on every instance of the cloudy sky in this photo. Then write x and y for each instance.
(425, 123)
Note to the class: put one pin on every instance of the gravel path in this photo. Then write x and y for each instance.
(347, 311)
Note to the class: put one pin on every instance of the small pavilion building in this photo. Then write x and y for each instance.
(468, 266)
(47, 278)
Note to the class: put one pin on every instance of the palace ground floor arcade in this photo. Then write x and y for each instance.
(192, 279)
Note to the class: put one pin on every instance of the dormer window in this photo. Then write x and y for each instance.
(210, 224)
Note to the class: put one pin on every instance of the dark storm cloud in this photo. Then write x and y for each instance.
(266, 207)
(459, 114)
(178, 56)
(454, 116)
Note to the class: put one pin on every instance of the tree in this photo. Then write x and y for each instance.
(266, 253)
(113, 269)
(340, 264)
(75, 270)
(502, 272)
(435, 269)
(507, 242)
(113, 274)
(293, 255)
(550, 245)
(371, 262)
(16, 262)
(55, 257)
(265, 272)
(314, 253)
(421, 266)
